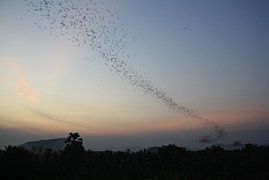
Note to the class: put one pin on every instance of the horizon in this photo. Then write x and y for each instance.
(134, 73)
(107, 145)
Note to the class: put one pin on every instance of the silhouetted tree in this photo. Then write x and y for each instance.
(74, 143)
(73, 156)
(215, 148)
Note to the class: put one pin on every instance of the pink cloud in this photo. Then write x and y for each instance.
(23, 84)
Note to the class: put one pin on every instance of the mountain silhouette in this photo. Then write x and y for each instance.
(54, 144)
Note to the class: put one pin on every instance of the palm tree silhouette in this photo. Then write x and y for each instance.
(74, 143)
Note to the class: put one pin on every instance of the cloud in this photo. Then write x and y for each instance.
(52, 118)
(23, 84)
(26, 90)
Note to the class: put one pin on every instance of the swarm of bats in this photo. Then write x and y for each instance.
(89, 24)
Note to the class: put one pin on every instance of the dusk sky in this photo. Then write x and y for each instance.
(210, 56)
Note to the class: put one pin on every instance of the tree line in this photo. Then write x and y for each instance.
(167, 162)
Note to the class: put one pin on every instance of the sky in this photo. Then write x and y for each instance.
(210, 56)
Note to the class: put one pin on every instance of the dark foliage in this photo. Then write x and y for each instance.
(168, 162)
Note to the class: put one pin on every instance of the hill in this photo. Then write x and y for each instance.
(54, 144)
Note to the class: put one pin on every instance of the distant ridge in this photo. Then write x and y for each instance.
(54, 144)
(232, 146)
(59, 144)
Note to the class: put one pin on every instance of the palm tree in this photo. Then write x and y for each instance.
(73, 138)
(74, 143)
